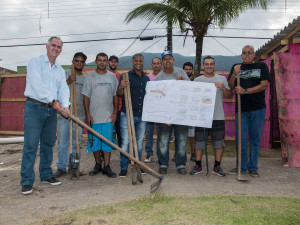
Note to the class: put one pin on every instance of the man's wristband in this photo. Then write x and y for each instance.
(246, 91)
(51, 104)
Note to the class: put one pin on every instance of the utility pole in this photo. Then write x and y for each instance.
(169, 34)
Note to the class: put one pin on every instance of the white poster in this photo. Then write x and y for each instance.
(180, 102)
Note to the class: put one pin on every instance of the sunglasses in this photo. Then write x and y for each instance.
(77, 60)
(247, 53)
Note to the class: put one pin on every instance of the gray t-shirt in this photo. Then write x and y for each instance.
(171, 76)
(219, 111)
(100, 89)
(79, 97)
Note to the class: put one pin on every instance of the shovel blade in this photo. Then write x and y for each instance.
(156, 185)
(139, 173)
(133, 175)
(241, 177)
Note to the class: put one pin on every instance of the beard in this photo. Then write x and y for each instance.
(112, 68)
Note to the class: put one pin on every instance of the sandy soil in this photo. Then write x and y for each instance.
(47, 200)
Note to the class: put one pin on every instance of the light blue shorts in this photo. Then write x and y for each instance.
(94, 143)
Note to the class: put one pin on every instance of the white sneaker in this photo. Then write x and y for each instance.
(148, 158)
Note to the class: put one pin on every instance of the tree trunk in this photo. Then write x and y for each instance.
(197, 66)
(170, 42)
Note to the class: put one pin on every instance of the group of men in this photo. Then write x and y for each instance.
(101, 104)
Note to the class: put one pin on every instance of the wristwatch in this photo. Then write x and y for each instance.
(246, 91)
(51, 104)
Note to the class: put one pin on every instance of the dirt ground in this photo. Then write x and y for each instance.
(47, 200)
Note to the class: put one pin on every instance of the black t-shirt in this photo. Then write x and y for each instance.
(250, 76)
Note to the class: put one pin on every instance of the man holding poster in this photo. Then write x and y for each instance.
(171, 73)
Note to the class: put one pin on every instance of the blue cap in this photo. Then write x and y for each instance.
(166, 53)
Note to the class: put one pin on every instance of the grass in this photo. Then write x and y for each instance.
(230, 150)
(160, 209)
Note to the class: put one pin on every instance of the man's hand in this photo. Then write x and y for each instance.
(89, 120)
(180, 77)
(239, 90)
(124, 83)
(72, 77)
(57, 106)
(113, 117)
(219, 85)
(237, 69)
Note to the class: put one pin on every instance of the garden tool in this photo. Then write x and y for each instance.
(240, 177)
(205, 141)
(135, 169)
(154, 186)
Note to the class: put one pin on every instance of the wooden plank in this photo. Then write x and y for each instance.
(12, 99)
(296, 41)
(228, 100)
(12, 132)
(284, 49)
(14, 75)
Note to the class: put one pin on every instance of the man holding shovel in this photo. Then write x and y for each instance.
(254, 79)
(46, 93)
(101, 106)
(137, 83)
(76, 75)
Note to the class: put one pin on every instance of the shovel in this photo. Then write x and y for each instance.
(76, 160)
(240, 177)
(154, 186)
(135, 169)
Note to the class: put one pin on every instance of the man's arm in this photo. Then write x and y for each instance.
(115, 112)
(72, 76)
(227, 92)
(122, 85)
(236, 70)
(86, 105)
(258, 88)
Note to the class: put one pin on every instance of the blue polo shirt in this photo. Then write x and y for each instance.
(137, 90)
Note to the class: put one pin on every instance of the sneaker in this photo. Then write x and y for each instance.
(52, 181)
(193, 157)
(108, 172)
(196, 170)
(142, 171)
(97, 169)
(123, 173)
(163, 171)
(218, 171)
(182, 171)
(233, 171)
(148, 158)
(254, 173)
(59, 173)
(26, 189)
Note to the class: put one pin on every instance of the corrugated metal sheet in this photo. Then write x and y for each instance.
(287, 75)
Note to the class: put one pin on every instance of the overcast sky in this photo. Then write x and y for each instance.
(33, 21)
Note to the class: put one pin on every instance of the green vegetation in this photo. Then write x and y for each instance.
(159, 209)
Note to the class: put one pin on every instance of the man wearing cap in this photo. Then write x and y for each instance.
(113, 63)
(76, 75)
(137, 83)
(46, 93)
(171, 73)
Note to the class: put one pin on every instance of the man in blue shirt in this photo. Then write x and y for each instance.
(47, 92)
(137, 80)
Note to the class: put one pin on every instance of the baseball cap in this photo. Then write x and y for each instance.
(80, 54)
(166, 53)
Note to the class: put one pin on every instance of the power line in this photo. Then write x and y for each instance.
(128, 38)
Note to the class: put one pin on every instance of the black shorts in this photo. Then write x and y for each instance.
(217, 134)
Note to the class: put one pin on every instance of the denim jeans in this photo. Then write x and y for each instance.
(140, 127)
(63, 142)
(252, 123)
(39, 127)
(149, 138)
(181, 133)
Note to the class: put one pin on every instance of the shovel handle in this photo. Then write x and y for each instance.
(111, 144)
(239, 128)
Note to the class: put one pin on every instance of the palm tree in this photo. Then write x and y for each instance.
(195, 16)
